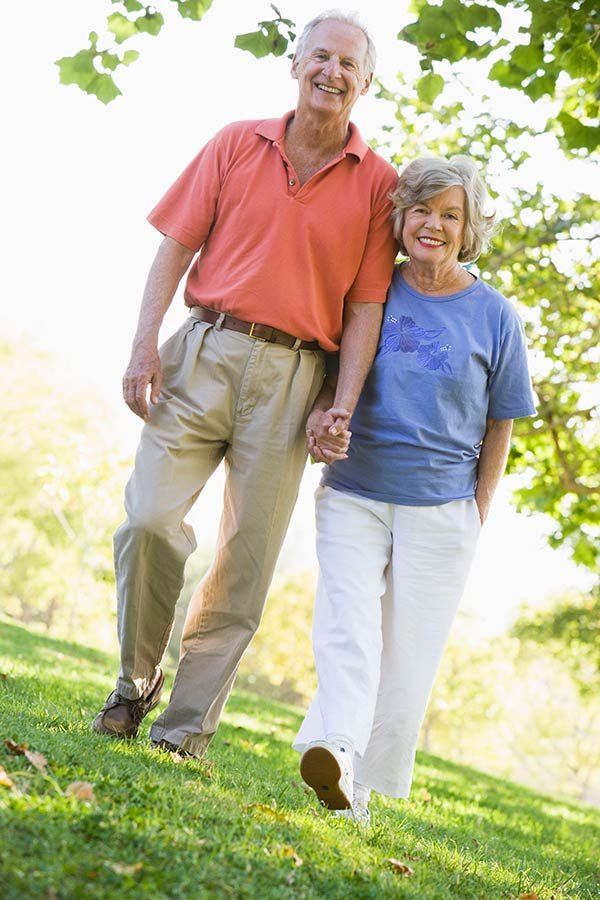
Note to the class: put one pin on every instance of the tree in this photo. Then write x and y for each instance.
(60, 490)
(92, 68)
(554, 54)
(571, 631)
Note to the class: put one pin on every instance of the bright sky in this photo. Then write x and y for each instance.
(79, 178)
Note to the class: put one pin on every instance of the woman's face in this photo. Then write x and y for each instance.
(434, 228)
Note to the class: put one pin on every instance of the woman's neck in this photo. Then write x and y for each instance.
(438, 280)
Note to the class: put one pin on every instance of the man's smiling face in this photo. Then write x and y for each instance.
(331, 74)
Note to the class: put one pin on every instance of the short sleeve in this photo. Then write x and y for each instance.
(187, 210)
(377, 265)
(510, 391)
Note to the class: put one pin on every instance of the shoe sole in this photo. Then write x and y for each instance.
(321, 771)
(153, 698)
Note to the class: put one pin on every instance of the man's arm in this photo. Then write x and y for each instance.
(362, 323)
(170, 264)
(492, 462)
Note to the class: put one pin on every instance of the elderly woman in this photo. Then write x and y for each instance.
(399, 514)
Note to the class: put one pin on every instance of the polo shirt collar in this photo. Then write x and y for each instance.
(274, 130)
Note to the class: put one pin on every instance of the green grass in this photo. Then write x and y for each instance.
(238, 823)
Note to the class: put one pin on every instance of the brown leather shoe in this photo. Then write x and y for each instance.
(121, 717)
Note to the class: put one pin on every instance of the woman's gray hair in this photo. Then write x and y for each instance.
(423, 178)
(349, 18)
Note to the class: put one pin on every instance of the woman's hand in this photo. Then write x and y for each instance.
(327, 434)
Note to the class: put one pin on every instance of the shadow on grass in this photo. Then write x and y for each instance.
(18, 642)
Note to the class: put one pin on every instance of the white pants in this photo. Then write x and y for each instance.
(391, 578)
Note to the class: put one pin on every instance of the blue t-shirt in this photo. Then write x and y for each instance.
(443, 367)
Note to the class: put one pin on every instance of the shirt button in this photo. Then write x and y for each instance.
(292, 182)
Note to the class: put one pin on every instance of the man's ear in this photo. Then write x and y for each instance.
(367, 84)
(294, 69)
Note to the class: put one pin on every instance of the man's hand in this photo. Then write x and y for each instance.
(144, 369)
(327, 434)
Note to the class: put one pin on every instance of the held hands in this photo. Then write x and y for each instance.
(144, 369)
(327, 434)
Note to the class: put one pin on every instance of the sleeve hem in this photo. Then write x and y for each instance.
(172, 230)
(366, 296)
(513, 414)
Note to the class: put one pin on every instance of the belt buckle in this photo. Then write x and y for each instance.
(256, 337)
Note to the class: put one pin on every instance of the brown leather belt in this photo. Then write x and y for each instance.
(252, 329)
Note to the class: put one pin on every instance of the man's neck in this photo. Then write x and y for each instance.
(317, 133)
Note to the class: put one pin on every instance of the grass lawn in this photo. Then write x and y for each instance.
(240, 823)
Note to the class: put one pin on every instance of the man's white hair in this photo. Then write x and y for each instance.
(349, 18)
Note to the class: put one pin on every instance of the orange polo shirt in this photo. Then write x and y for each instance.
(273, 251)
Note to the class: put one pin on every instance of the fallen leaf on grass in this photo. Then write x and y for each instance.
(268, 810)
(400, 868)
(424, 795)
(36, 759)
(81, 790)
(5, 779)
(529, 895)
(14, 748)
(125, 869)
(297, 860)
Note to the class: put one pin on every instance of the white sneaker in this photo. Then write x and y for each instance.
(360, 813)
(328, 771)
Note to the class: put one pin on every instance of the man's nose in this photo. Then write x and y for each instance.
(332, 67)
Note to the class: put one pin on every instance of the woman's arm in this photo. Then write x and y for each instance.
(492, 462)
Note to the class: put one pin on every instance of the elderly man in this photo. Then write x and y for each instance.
(292, 218)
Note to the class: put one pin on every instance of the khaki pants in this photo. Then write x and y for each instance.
(225, 396)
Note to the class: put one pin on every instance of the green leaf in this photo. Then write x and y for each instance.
(260, 44)
(129, 56)
(132, 5)
(410, 34)
(193, 9)
(254, 42)
(580, 62)
(507, 75)
(429, 87)
(528, 57)
(577, 135)
(476, 16)
(104, 88)
(540, 86)
(80, 70)
(110, 60)
(151, 23)
(564, 23)
(122, 27)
